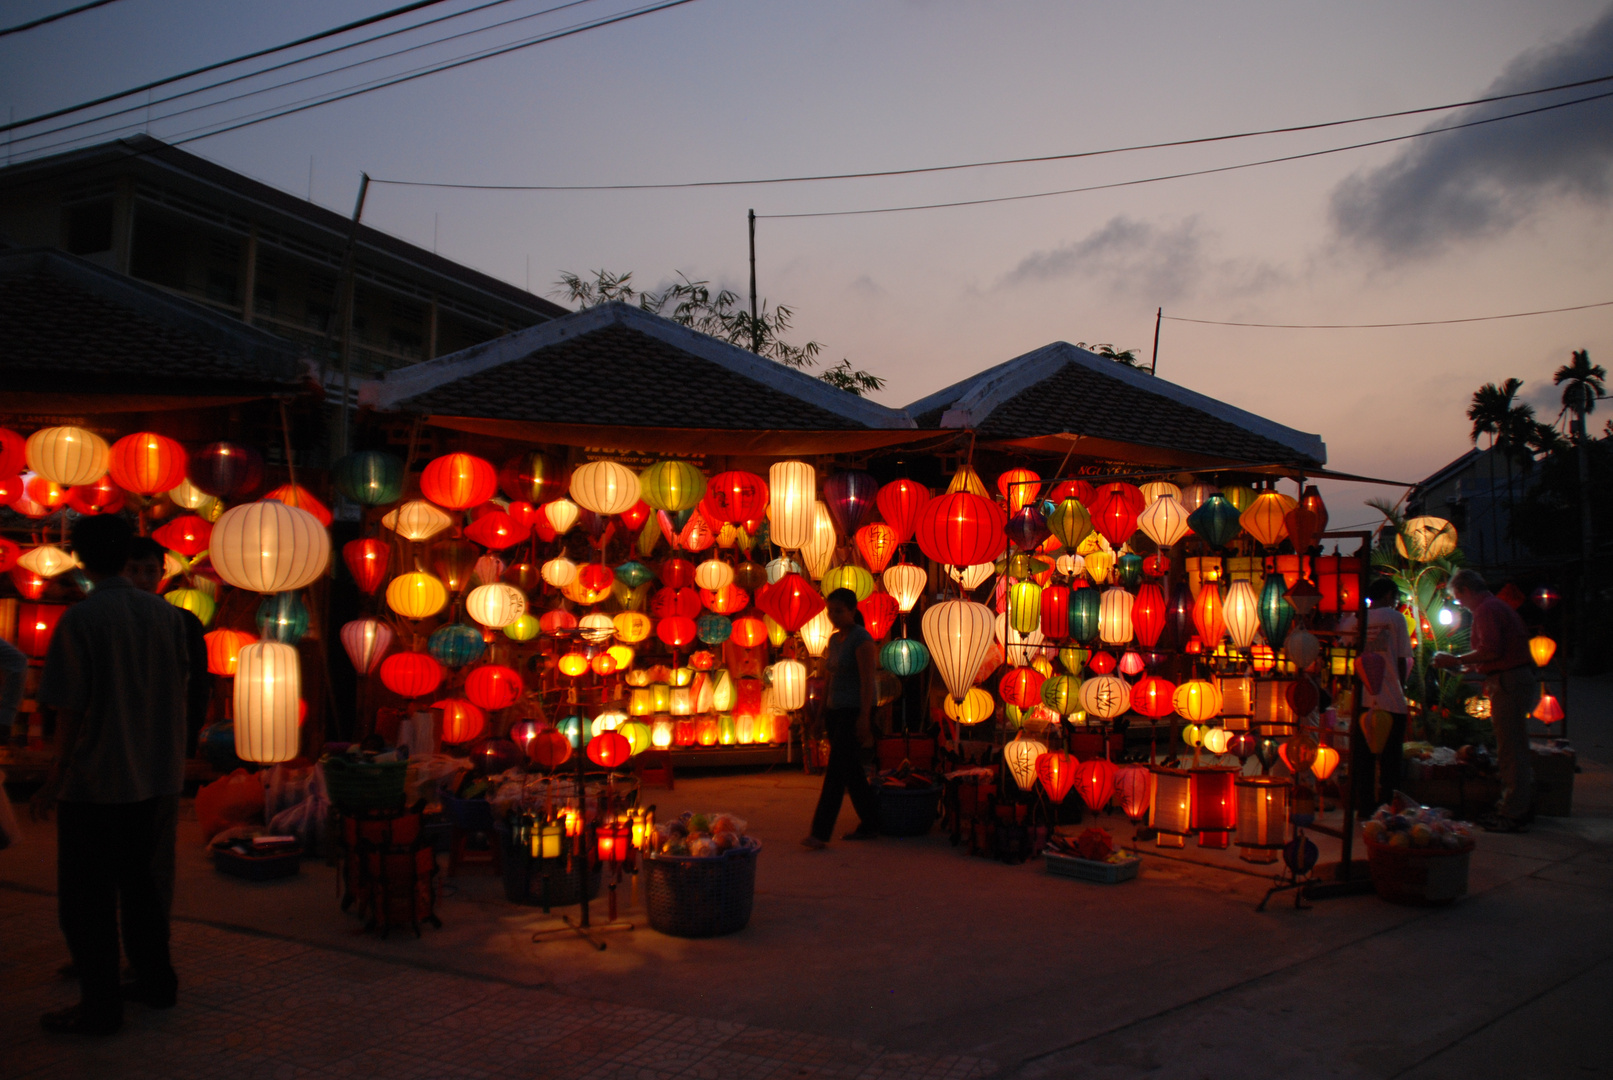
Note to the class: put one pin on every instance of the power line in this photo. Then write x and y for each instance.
(356, 24)
(43, 19)
(1001, 161)
(1383, 325)
(1182, 175)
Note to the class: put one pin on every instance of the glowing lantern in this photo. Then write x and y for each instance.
(268, 694)
(494, 686)
(1164, 521)
(1207, 617)
(417, 520)
(1153, 697)
(1215, 806)
(1262, 816)
(1056, 773)
(972, 577)
(188, 535)
(899, 504)
(1327, 759)
(605, 487)
(1114, 616)
(1430, 538)
(1095, 781)
(961, 529)
(793, 488)
(497, 531)
(596, 628)
(1548, 710)
(35, 626)
(877, 542)
(366, 642)
(459, 481)
(190, 497)
(225, 470)
(789, 679)
(496, 605)
(1275, 611)
(462, 721)
(13, 452)
(224, 649)
(1217, 521)
(1022, 687)
(300, 497)
(1265, 518)
(713, 575)
(1339, 578)
(791, 601)
(1216, 739)
(1085, 611)
(818, 552)
(281, 617)
(677, 631)
(1170, 812)
(559, 572)
(367, 560)
(977, 705)
(904, 657)
(1115, 509)
(1025, 606)
(488, 569)
(1197, 700)
(525, 628)
(958, 633)
(855, 578)
(1098, 565)
(46, 560)
(1241, 614)
(269, 547)
(416, 596)
(1105, 696)
(1020, 756)
(67, 456)
(879, 613)
(411, 674)
(736, 497)
(1542, 649)
(1134, 785)
(146, 463)
(850, 498)
(369, 477)
(672, 486)
(906, 584)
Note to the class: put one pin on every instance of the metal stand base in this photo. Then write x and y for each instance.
(586, 932)
(1331, 880)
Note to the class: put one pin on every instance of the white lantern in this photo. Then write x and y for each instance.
(959, 634)
(1105, 696)
(1070, 564)
(47, 560)
(789, 684)
(596, 628)
(777, 568)
(1114, 616)
(1020, 755)
(417, 520)
(818, 551)
(268, 695)
(1241, 610)
(609, 720)
(1164, 521)
(816, 632)
(905, 582)
(683, 700)
(1021, 649)
(1302, 648)
(366, 642)
(189, 496)
(605, 487)
(792, 493)
(713, 574)
(972, 577)
(269, 547)
(724, 694)
(1195, 495)
(68, 456)
(561, 515)
(559, 571)
(1156, 489)
(497, 605)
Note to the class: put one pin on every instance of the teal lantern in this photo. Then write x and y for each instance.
(1216, 521)
(1129, 569)
(455, 645)
(1084, 604)
(1274, 609)
(714, 629)
(634, 574)
(370, 477)
(282, 617)
(571, 728)
(903, 657)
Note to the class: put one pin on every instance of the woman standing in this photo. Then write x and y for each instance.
(850, 665)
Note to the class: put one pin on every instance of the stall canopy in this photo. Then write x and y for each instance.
(1060, 399)
(616, 376)
(77, 337)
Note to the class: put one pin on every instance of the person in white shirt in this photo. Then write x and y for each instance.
(1388, 638)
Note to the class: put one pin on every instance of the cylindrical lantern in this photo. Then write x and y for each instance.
(958, 633)
(1085, 612)
(67, 456)
(906, 584)
(605, 487)
(269, 547)
(268, 695)
(416, 596)
(789, 684)
(1241, 613)
(1262, 816)
(1171, 812)
(1025, 606)
(496, 605)
(793, 495)
(1114, 616)
(1215, 805)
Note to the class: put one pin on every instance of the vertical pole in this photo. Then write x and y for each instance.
(345, 309)
(755, 327)
(1153, 365)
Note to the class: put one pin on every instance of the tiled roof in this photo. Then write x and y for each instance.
(69, 325)
(620, 366)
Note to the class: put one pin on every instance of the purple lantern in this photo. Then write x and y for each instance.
(850, 499)
(225, 469)
(1028, 528)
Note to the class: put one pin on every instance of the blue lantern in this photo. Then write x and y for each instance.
(634, 574)
(1216, 521)
(904, 656)
(571, 728)
(714, 629)
(455, 645)
(369, 477)
(282, 617)
(1275, 610)
(1084, 605)
(1129, 569)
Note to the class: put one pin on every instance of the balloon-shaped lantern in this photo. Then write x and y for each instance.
(147, 463)
(850, 497)
(1020, 756)
(1095, 781)
(961, 529)
(958, 634)
(899, 504)
(269, 547)
(67, 456)
(366, 642)
(1114, 512)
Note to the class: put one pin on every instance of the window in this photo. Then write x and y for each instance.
(221, 286)
(266, 300)
(87, 227)
(160, 252)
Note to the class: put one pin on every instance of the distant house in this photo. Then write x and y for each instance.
(1472, 493)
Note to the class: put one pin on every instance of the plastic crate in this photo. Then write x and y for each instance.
(1100, 872)
(694, 897)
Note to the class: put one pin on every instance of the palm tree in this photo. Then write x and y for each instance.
(1583, 383)
(1488, 411)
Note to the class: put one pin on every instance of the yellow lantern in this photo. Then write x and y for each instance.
(417, 520)
(1262, 816)
(1164, 520)
(632, 626)
(194, 601)
(561, 514)
(605, 487)
(713, 575)
(1192, 736)
(1074, 658)
(1241, 613)
(1155, 490)
(972, 577)
(661, 734)
(1263, 519)
(1025, 606)
(793, 496)
(573, 664)
(682, 701)
(269, 547)
(1431, 538)
(776, 634)
(977, 705)
(1020, 756)
(671, 486)
(496, 605)
(966, 479)
(622, 654)
(905, 583)
(1237, 696)
(525, 628)
(818, 551)
(559, 572)
(580, 593)
(641, 701)
(1202, 570)
(855, 578)
(47, 560)
(1098, 565)
(1114, 616)
(816, 632)
(724, 694)
(1197, 700)
(68, 456)
(637, 735)
(1105, 696)
(416, 596)
(268, 695)
(789, 684)
(1239, 495)
(1542, 649)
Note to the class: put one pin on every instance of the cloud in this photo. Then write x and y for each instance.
(1483, 181)
(1159, 263)
(866, 287)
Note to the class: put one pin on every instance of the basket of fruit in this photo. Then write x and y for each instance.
(1418, 854)
(700, 879)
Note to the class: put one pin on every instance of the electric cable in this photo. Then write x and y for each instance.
(43, 19)
(1380, 326)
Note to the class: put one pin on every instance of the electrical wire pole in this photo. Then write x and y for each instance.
(344, 314)
(755, 326)
(1153, 365)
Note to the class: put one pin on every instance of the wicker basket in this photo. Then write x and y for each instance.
(907, 811)
(364, 785)
(701, 897)
(1423, 877)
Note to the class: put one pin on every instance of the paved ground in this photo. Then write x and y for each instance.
(890, 959)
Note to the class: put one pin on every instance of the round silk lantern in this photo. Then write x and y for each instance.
(1542, 649)
(904, 657)
(958, 633)
(714, 629)
(367, 560)
(793, 495)
(1114, 512)
(366, 642)
(1197, 700)
(1134, 785)
(1095, 782)
(417, 520)
(497, 605)
(1019, 488)
(961, 529)
(1217, 521)
(101, 497)
(225, 470)
(147, 463)
(202, 606)
(455, 645)
(677, 631)
(459, 481)
(561, 514)
(609, 749)
(268, 698)
(532, 477)
(224, 650)
(672, 486)
(1062, 694)
(550, 749)
(605, 487)
(1022, 687)
(559, 572)
(849, 497)
(1020, 756)
(300, 497)
(497, 531)
(494, 686)
(972, 577)
(977, 706)
(416, 596)
(281, 617)
(369, 477)
(523, 629)
(713, 574)
(1153, 697)
(1056, 773)
(1241, 613)
(899, 504)
(269, 547)
(461, 720)
(1105, 696)
(736, 497)
(855, 578)
(411, 674)
(1164, 521)
(879, 613)
(13, 452)
(67, 456)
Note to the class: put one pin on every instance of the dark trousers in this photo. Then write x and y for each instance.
(1374, 777)
(110, 862)
(843, 775)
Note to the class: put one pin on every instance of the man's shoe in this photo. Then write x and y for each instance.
(812, 843)
(151, 998)
(75, 1020)
(861, 834)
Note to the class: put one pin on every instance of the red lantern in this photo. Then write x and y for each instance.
(557, 621)
(497, 530)
(459, 481)
(747, 697)
(411, 674)
(595, 577)
(677, 573)
(1018, 487)
(899, 504)
(792, 602)
(8, 551)
(1056, 612)
(704, 660)
(1114, 512)
(46, 494)
(28, 583)
(1207, 617)
(735, 497)
(454, 560)
(367, 561)
(1312, 501)
(1156, 565)
(146, 463)
(609, 749)
(13, 452)
(1022, 687)
(1101, 663)
(187, 535)
(1056, 773)
(1214, 812)
(1095, 780)
(461, 721)
(225, 470)
(1079, 490)
(677, 631)
(961, 529)
(1548, 710)
(35, 625)
(670, 602)
(1339, 578)
(101, 497)
(550, 749)
(1302, 528)
(1135, 786)
(10, 487)
(878, 612)
(533, 478)
(748, 632)
(684, 733)
(494, 686)
(303, 499)
(877, 542)
(726, 600)
(1148, 614)
(1152, 697)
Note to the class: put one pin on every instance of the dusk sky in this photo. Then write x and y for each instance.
(1508, 217)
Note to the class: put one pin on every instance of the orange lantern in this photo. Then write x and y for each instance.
(494, 686)
(459, 481)
(1056, 773)
(461, 720)
(497, 531)
(749, 632)
(303, 499)
(877, 542)
(95, 498)
(224, 649)
(726, 600)
(1542, 649)
(574, 665)
(1019, 487)
(367, 560)
(44, 493)
(1207, 617)
(1548, 710)
(411, 674)
(1327, 759)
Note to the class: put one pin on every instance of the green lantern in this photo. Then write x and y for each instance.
(637, 735)
(1084, 605)
(282, 617)
(369, 477)
(904, 656)
(1070, 522)
(523, 629)
(1216, 521)
(633, 574)
(1129, 569)
(672, 486)
(1062, 694)
(855, 578)
(1025, 606)
(1074, 658)
(195, 601)
(1274, 609)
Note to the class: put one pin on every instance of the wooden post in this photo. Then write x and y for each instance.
(755, 327)
(1153, 365)
(249, 276)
